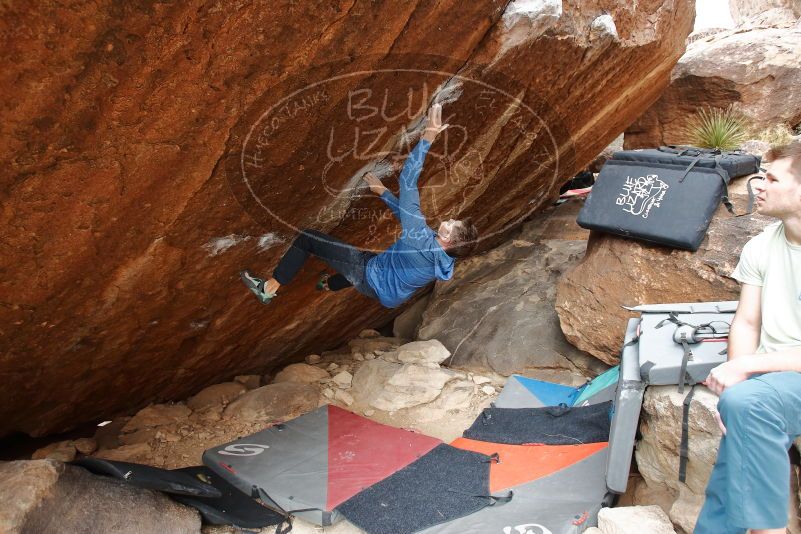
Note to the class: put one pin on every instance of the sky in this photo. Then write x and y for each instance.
(712, 14)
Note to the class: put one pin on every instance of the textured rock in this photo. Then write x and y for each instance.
(85, 445)
(429, 353)
(301, 373)
(405, 325)
(47, 497)
(744, 11)
(274, 401)
(756, 71)
(249, 381)
(390, 386)
(498, 310)
(617, 272)
(343, 379)
(136, 452)
(157, 415)
(124, 221)
(63, 451)
(217, 394)
(634, 520)
(657, 453)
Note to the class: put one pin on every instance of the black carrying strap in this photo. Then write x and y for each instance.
(751, 195)
(700, 154)
(684, 451)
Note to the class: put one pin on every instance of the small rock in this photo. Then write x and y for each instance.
(216, 394)
(63, 451)
(249, 381)
(328, 393)
(157, 415)
(85, 445)
(365, 345)
(146, 435)
(343, 396)
(301, 373)
(332, 366)
(369, 356)
(478, 379)
(126, 453)
(634, 520)
(274, 401)
(343, 379)
(313, 358)
(489, 390)
(369, 412)
(358, 356)
(369, 333)
(423, 352)
(48, 496)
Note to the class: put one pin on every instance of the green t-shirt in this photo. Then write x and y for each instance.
(770, 262)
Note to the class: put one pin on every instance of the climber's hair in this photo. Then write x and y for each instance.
(791, 151)
(464, 240)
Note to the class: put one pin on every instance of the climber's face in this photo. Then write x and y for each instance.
(779, 193)
(447, 229)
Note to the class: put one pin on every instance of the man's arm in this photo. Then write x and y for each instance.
(411, 216)
(391, 201)
(743, 342)
(747, 323)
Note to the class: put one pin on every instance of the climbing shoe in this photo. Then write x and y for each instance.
(256, 285)
(322, 283)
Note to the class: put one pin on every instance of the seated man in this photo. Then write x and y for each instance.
(760, 384)
(416, 259)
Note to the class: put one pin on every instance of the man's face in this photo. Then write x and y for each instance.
(779, 194)
(447, 229)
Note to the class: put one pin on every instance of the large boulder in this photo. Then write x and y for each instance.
(498, 310)
(153, 150)
(756, 71)
(745, 11)
(617, 272)
(657, 453)
(390, 386)
(49, 497)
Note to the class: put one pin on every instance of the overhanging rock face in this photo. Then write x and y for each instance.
(155, 149)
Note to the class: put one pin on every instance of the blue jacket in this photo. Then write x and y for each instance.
(416, 259)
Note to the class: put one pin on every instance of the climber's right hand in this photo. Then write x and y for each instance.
(375, 184)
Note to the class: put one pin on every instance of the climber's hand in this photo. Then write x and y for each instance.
(374, 183)
(434, 123)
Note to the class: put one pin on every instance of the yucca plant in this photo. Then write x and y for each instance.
(724, 129)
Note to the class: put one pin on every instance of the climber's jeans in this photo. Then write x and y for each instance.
(750, 484)
(344, 258)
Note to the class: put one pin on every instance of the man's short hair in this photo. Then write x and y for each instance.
(791, 151)
(464, 239)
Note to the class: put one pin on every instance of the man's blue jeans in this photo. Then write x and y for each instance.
(750, 484)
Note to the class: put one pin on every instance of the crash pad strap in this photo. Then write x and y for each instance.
(684, 452)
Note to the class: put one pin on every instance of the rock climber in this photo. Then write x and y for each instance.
(760, 384)
(418, 257)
